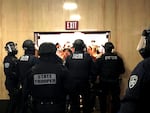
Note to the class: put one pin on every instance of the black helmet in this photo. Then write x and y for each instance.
(144, 44)
(28, 45)
(108, 46)
(10, 47)
(47, 48)
(146, 33)
(79, 45)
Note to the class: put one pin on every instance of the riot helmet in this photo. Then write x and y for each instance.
(47, 48)
(11, 48)
(79, 45)
(108, 47)
(144, 44)
(28, 45)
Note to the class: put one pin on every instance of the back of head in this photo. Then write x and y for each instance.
(28, 45)
(108, 47)
(47, 48)
(79, 45)
(10, 47)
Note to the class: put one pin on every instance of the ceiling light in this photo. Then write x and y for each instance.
(70, 6)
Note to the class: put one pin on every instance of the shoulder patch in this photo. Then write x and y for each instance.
(6, 65)
(132, 81)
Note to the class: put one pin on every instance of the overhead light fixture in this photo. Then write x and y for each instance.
(70, 6)
(75, 17)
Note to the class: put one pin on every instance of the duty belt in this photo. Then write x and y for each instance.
(48, 103)
(45, 102)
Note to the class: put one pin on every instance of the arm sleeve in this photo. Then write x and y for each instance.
(129, 103)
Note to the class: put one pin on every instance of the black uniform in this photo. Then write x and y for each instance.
(25, 63)
(10, 66)
(137, 97)
(47, 83)
(109, 68)
(12, 78)
(80, 65)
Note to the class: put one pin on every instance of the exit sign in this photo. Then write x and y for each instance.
(71, 25)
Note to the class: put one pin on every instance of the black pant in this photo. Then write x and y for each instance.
(81, 97)
(109, 98)
(14, 101)
(48, 107)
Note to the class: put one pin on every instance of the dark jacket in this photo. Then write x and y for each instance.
(81, 68)
(110, 66)
(49, 82)
(25, 63)
(137, 97)
(10, 70)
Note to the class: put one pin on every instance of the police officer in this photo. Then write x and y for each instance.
(80, 66)
(12, 78)
(137, 97)
(109, 67)
(48, 82)
(26, 62)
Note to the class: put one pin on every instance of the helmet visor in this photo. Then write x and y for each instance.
(142, 43)
(11, 47)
